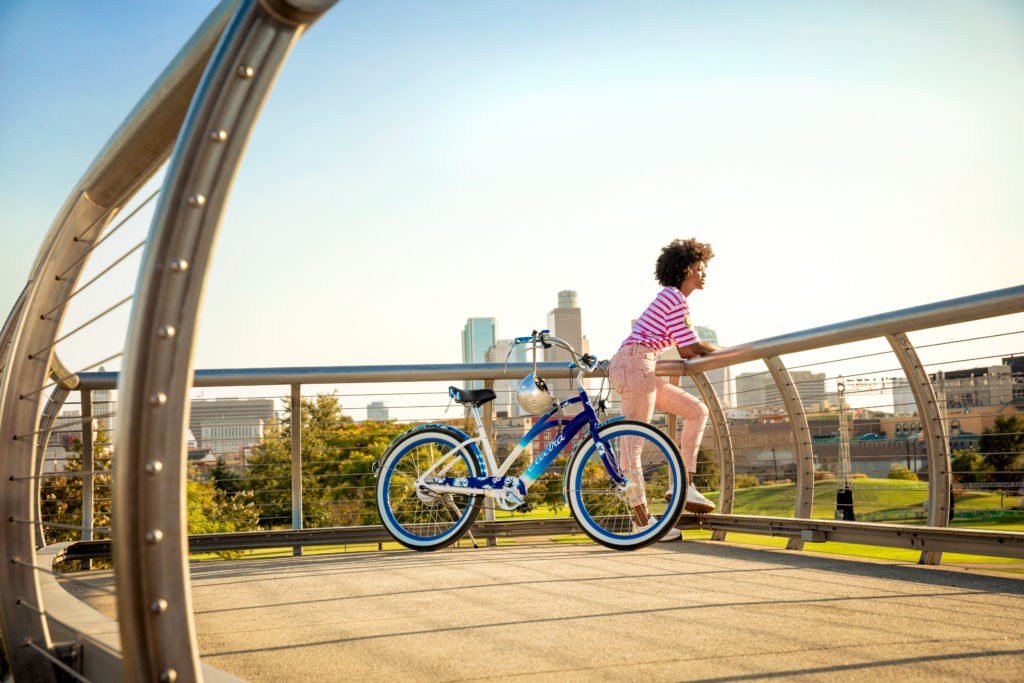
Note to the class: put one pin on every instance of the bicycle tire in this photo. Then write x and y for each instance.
(605, 513)
(423, 520)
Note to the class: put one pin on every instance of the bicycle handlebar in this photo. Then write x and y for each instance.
(546, 340)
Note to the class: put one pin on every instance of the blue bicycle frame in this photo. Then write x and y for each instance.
(568, 429)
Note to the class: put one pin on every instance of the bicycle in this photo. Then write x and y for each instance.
(432, 479)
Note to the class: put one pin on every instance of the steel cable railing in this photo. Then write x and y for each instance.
(346, 484)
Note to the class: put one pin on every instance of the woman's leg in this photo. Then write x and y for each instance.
(632, 375)
(672, 399)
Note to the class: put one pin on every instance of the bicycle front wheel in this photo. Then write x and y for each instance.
(415, 517)
(617, 516)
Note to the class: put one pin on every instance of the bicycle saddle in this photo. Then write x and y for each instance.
(471, 397)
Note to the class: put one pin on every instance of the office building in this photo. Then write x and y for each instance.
(226, 426)
(566, 322)
(757, 392)
(903, 403)
(506, 404)
(478, 336)
(377, 411)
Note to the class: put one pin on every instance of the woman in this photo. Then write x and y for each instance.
(666, 322)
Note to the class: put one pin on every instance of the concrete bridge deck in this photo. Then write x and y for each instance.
(698, 610)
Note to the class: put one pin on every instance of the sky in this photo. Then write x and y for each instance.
(422, 162)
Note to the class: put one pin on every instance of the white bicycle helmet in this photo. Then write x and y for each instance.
(534, 396)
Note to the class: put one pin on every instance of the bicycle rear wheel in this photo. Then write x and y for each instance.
(415, 517)
(607, 512)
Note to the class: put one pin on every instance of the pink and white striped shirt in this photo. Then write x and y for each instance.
(665, 322)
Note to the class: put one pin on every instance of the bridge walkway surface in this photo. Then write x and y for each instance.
(698, 610)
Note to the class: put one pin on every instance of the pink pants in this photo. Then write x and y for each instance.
(632, 374)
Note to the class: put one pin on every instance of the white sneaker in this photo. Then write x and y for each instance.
(672, 534)
(697, 503)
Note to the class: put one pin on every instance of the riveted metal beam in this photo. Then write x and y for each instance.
(723, 441)
(133, 154)
(940, 480)
(150, 527)
(802, 440)
(21, 395)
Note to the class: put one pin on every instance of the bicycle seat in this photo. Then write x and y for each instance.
(471, 397)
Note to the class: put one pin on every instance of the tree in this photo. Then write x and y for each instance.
(968, 467)
(225, 479)
(61, 496)
(1001, 447)
(707, 472)
(337, 458)
(209, 510)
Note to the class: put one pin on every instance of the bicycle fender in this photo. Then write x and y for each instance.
(452, 431)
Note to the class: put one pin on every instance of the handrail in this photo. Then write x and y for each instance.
(949, 312)
(355, 374)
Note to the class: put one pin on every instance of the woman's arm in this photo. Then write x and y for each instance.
(697, 348)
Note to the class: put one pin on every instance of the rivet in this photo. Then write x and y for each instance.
(179, 265)
(166, 332)
(158, 606)
(219, 135)
(246, 71)
(154, 536)
(154, 467)
(197, 199)
(158, 399)
(168, 676)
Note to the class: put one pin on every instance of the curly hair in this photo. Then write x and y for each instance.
(678, 260)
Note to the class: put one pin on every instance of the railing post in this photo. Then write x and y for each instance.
(296, 452)
(88, 467)
(488, 420)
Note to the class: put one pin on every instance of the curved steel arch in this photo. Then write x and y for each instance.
(940, 479)
(45, 300)
(131, 156)
(150, 539)
(801, 439)
(723, 440)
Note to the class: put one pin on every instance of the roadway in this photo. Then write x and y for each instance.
(698, 610)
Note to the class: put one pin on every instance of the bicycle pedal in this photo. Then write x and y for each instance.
(525, 507)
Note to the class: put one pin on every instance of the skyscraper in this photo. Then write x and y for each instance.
(565, 322)
(478, 336)
(506, 404)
